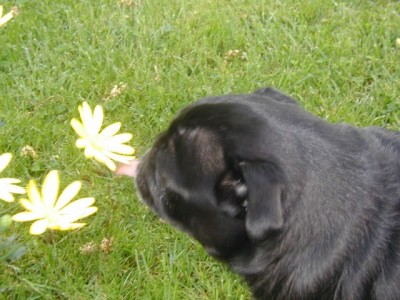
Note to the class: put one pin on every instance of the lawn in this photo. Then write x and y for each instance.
(143, 61)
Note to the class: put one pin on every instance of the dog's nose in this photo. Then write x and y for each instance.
(128, 169)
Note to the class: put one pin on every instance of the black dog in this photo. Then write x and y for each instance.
(301, 208)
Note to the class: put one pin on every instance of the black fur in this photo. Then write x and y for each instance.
(301, 208)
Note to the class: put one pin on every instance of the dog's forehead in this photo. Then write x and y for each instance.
(189, 157)
(178, 168)
(208, 153)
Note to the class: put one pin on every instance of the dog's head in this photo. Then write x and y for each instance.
(214, 174)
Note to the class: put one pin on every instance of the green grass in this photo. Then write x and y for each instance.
(339, 58)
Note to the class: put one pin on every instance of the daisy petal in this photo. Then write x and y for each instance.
(68, 194)
(15, 189)
(71, 226)
(86, 117)
(34, 195)
(9, 180)
(26, 216)
(78, 127)
(6, 196)
(89, 151)
(121, 149)
(120, 138)
(81, 143)
(5, 159)
(29, 206)
(38, 227)
(111, 165)
(87, 212)
(110, 130)
(120, 158)
(7, 17)
(76, 207)
(98, 116)
(100, 156)
(70, 218)
(50, 188)
(103, 158)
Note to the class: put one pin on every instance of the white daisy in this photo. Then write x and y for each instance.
(7, 185)
(52, 211)
(104, 146)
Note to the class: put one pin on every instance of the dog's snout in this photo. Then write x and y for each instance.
(128, 169)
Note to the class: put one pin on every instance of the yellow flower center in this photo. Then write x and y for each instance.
(52, 216)
(96, 143)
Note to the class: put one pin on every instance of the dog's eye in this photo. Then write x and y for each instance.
(232, 196)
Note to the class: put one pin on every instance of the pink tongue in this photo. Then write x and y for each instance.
(128, 170)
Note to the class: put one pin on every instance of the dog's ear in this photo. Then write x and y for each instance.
(264, 183)
(276, 95)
